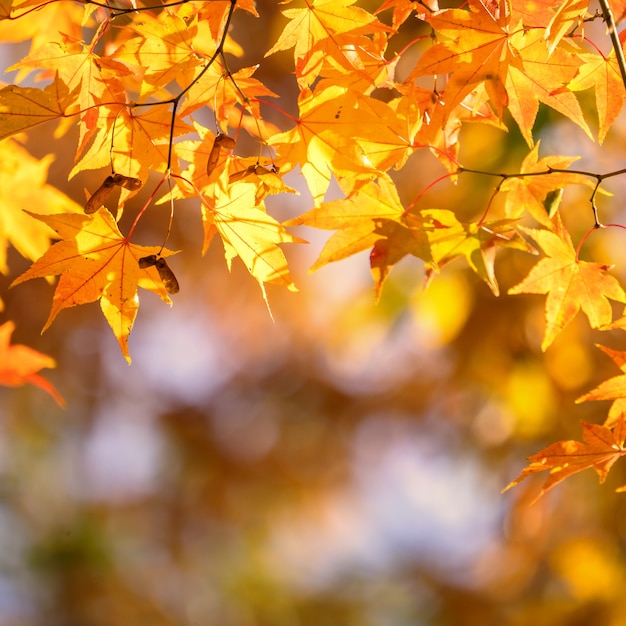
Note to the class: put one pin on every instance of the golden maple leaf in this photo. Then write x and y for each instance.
(22, 184)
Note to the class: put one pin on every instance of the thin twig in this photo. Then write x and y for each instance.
(617, 46)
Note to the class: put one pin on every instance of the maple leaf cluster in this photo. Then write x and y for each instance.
(137, 79)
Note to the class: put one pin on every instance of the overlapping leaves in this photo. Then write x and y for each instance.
(138, 85)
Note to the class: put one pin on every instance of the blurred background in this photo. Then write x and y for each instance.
(341, 465)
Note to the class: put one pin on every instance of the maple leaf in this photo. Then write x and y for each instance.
(23, 184)
(473, 48)
(343, 133)
(362, 67)
(247, 232)
(542, 77)
(223, 93)
(163, 46)
(96, 262)
(22, 108)
(132, 142)
(600, 449)
(567, 17)
(318, 145)
(317, 31)
(571, 284)
(361, 220)
(20, 364)
(478, 244)
(52, 21)
(529, 193)
(603, 74)
(515, 65)
(614, 388)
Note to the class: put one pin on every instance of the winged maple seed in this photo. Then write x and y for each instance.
(221, 143)
(600, 449)
(165, 272)
(100, 195)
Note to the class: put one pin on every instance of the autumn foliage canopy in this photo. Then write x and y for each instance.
(161, 103)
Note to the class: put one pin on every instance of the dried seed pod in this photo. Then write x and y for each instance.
(167, 276)
(221, 141)
(128, 182)
(241, 174)
(147, 261)
(165, 273)
(100, 195)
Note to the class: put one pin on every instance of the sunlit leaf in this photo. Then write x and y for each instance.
(96, 262)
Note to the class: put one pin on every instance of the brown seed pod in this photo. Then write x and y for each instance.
(167, 276)
(147, 261)
(128, 182)
(241, 174)
(99, 196)
(221, 141)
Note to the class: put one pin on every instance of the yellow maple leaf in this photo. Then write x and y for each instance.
(333, 135)
(247, 232)
(603, 74)
(570, 284)
(96, 262)
(529, 193)
(22, 108)
(23, 184)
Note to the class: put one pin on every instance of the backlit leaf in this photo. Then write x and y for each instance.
(570, 284)
(600, 449)
(96, 262)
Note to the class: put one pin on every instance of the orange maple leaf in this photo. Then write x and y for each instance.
(20, 364)
(486, 44)
(613, 388)
(600, 448)
(319, 30)
(163, 45)
(357, 219)
(571, 284)
(96, 262)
